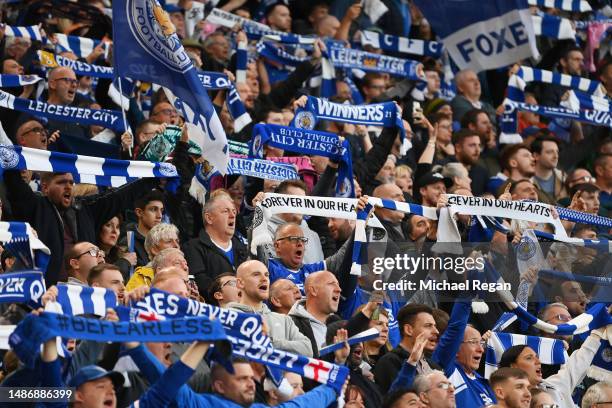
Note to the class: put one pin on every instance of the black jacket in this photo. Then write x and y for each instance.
(87, 215)
(366, 170)
(390, 364)
(206, 261)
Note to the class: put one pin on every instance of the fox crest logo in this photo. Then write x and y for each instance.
(154, 31)
(163, 18)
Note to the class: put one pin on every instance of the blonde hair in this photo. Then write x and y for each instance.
(82, 190)
(402, 170)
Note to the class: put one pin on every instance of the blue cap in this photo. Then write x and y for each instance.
(94, 372)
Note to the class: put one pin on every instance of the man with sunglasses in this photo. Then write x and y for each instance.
(32, 133)
(80, 259)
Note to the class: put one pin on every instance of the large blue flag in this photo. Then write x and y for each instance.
(151, 51)
(482, 35)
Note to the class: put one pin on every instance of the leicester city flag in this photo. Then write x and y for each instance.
(482, 35)
(148, 49)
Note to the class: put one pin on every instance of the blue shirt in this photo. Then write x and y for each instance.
(280, 271)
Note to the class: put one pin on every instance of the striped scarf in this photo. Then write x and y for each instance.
(549, 351)
(95, 170)
(32, 32)
(586, 98)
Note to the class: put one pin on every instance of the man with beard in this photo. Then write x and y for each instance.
(517, 164)
(253, 280)
(511, 388)
(549, 179)
(413, 320)
(467, 144)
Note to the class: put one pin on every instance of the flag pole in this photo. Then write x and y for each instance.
(125, 124)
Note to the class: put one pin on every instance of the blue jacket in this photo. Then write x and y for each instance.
(153, 371)
(469, 391)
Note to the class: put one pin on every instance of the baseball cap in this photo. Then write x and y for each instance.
(432, 178)
(94, 372)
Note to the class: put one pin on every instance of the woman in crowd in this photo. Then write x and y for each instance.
(107, 241)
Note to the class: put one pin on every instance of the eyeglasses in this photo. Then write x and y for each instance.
(70, 81)
(561, 318)
(475, 342)
(95, 252)
(550, 406)
(444, 385)
(231, 282)
(38, 130)
(166, 112)
(295, 240)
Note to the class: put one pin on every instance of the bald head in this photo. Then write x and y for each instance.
(253, 279)
(322, 294)
(172, 280)
(62, 86)
(327, 26)
(389, 191)
(283, 295)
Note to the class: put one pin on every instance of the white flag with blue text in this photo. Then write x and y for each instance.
(483, 35)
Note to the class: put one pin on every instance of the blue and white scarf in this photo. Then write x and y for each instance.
(121, 90)
(275, 53)
(310, 142)
(241, 61)
(22, 287)
(375, 114)
(32, 32)
(515, 100)
(568, 5)
(33, 331)
(108, 172)
(20, 239)
(107, 118)
(14, 81)
(362, 337)
(549, 351)
(547, 25)
(216, 80)
(264, 169)
(601, 366)
(360, 245)
(75, 300)
(80, 46)
(342, 57)
(245, 331)
(253, 29)
(343, 208)
(50, 60)
(404, 45)
(595, 317)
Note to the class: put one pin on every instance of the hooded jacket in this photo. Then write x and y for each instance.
(308, 325)
(283, 332)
